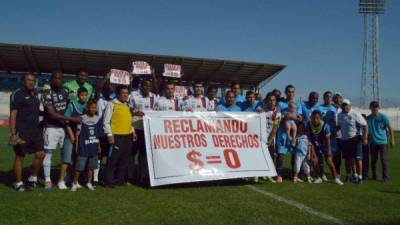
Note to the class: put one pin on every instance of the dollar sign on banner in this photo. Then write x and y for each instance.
(196, 163)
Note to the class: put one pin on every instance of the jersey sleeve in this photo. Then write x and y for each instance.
(327, 130)
(131, 102)
(14, 101)
(156, 106)
(69, 110)
(360, 120)
(46, 99)
(278, 118)
(386, 120)
(299, 107)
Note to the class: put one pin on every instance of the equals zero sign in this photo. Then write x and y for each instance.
(213, 159)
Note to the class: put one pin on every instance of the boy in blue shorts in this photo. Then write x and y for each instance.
(87, 146)
(75, 108)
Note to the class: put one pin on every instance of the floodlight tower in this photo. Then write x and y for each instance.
(370, 9)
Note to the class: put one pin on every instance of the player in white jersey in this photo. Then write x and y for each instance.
(167, 102)
(196, 102)
(141, 101)
(274, 117)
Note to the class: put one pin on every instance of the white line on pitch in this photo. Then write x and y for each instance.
(298, 205)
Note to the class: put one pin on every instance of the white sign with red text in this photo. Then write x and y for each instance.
(203, 146)
(141, 67)
(180, 91)
(119, 77)
(171, 70)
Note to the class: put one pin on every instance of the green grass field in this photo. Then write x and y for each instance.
(230, 202)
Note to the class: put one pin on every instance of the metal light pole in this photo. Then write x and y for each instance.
(371, 9)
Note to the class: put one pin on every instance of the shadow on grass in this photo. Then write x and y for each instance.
(390, 192)
(7, 178)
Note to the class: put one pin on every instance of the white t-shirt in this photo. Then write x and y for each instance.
(338, 132)
(212, 104)
(194, 104)
(143, 104)
(273, 118)
(349, 124)
(101, 106)
(165, 104)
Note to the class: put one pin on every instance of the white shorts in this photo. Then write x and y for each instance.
(53, 138)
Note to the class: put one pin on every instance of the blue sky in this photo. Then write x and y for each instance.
(320, 40)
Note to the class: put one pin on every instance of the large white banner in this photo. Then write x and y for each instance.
(203, 146)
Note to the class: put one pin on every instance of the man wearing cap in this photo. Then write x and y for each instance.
(350, 122)
(380, 133)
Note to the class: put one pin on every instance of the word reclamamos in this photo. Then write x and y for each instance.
(202, 126)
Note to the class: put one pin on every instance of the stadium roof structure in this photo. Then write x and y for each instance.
(45, 59)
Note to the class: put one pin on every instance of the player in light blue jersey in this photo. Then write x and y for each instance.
(229, 105)
(251, 104)
(307, 107)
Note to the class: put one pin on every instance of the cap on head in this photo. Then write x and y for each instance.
(346, 101)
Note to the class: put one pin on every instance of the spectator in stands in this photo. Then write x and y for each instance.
(55, 102)
(349, 123)
(80, 81)
(118, 127)
(229, 105)
(380, 134)
(26, 134)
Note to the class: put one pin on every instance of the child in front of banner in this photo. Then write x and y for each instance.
(87, 145)
(302, 154)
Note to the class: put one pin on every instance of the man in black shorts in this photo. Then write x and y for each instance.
(26, 134)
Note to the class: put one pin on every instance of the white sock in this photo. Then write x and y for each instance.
(47, 167)
(96, 173)
(32, 178)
